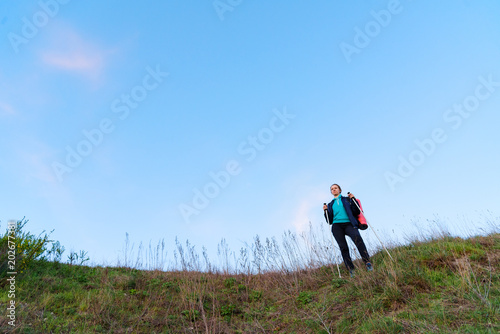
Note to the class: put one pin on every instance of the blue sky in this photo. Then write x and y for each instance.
(397, 101)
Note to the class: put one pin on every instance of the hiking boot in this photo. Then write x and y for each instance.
(351, 272)
(369, 266)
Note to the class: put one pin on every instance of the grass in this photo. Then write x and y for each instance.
(434, 285)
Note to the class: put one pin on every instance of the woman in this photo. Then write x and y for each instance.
(341, 213)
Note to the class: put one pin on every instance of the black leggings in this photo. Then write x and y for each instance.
(340, 230)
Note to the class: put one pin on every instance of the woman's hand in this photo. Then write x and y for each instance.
(325, 207)
(351, 195)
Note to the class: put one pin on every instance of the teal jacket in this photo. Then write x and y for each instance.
(350, 208)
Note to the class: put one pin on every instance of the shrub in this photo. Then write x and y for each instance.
(22, 247)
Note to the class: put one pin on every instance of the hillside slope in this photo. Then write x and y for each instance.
(445, 285)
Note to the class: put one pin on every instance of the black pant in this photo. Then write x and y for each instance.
(340, 230)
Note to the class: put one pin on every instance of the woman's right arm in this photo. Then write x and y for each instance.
(327, 218)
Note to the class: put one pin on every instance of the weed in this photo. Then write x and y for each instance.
(255, 296)
(305, 297)
(229, 282)
(228, 310)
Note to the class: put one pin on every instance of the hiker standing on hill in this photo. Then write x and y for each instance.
(341, 213)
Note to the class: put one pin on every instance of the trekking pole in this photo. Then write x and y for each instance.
(360, 210)
(333, 244)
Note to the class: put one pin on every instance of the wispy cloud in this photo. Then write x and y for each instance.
(308, 207)
(6, 109)
(29, 166)
(69, 51)
(75, 60)
(35, 162)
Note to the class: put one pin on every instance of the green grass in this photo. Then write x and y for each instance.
(445, 285)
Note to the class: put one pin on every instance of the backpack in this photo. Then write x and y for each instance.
(363, 225)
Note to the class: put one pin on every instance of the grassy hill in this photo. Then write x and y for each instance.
(443, 285)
